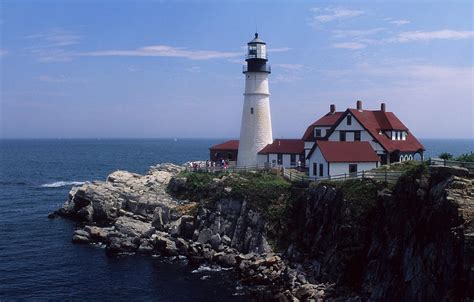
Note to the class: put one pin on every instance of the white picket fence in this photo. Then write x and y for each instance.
(380, 175)
(452, 163)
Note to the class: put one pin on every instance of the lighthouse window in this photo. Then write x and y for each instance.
(349, 120)
(251, 110)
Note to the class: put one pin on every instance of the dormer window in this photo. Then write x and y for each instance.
(317, 132)
(349, 120)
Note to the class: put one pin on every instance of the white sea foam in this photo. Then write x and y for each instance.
(206, 268)
(58, 184)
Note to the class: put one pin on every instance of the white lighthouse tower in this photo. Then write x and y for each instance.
(256, 128)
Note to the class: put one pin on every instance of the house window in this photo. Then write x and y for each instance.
(317, 132)
(280, 159)
(357, 136)
(349, 120)
(251, 110)
(352, 168)
(229, 155)
(342, 136)
(315, 169)
(321, 169)
(293, 159)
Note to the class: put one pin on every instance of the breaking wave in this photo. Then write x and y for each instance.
(58, 184)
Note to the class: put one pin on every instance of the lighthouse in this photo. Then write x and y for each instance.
(256, 127)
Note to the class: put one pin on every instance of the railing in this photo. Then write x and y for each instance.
(380, 175)
(452, 163)
(219, 168)
(263, 68)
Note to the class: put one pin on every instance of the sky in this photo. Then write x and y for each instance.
(152, 69)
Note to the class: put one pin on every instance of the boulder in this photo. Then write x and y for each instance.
(161, 217)
(226, 240)
(443, 172)
(166, 246)
(226, 260)
(80, 239)
(204, 236)
(130, 227)
(97, 233)
(82, 233)
(215, 241)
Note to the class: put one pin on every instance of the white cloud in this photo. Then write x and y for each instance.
(280, 49)
(328, 14)
(52, 79)
(445, 34)
(349, 45)
(399, 22)
(56, 37)
(163, 51)
(356, 33)
(290, 66)
(194, 69)
(285, 78)
(50, 46)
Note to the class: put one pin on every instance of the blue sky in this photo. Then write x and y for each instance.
(173, 69)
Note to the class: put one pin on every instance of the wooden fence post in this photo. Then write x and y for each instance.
(363, 174)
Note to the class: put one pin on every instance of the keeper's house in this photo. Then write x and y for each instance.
(357, 140)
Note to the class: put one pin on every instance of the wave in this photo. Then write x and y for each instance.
(207, 268)
(58, 184)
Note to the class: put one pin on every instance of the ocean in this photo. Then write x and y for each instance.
(38, 260)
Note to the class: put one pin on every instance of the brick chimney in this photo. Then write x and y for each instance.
(332, 108)
(382, 107)
(359, 105)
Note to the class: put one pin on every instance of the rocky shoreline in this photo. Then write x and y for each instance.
(157, 214)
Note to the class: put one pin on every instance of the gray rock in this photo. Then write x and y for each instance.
(166, 246)
(215, 241)
(226, 240)
(82, 233)
(161, 217)
(444, 172)
(204, 236)
(145, 247)
(130, 227)
(97, 233)
(80, 239)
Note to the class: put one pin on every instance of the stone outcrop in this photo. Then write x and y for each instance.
(358, 241)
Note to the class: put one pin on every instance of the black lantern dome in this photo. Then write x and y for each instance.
(256, 56)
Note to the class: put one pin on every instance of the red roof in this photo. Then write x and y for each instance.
(334, 151)
(377, 121)
(326, 121)
(286, 146)
(228, 145)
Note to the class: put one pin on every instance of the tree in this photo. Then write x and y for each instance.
(446, 155)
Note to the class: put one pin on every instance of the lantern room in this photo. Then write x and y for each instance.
(256, 56)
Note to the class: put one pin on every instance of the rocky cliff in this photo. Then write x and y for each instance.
(354, 240)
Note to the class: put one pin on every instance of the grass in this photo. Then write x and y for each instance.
(259, 189)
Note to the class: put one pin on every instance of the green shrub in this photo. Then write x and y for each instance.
(466, 157)
(445, 155)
